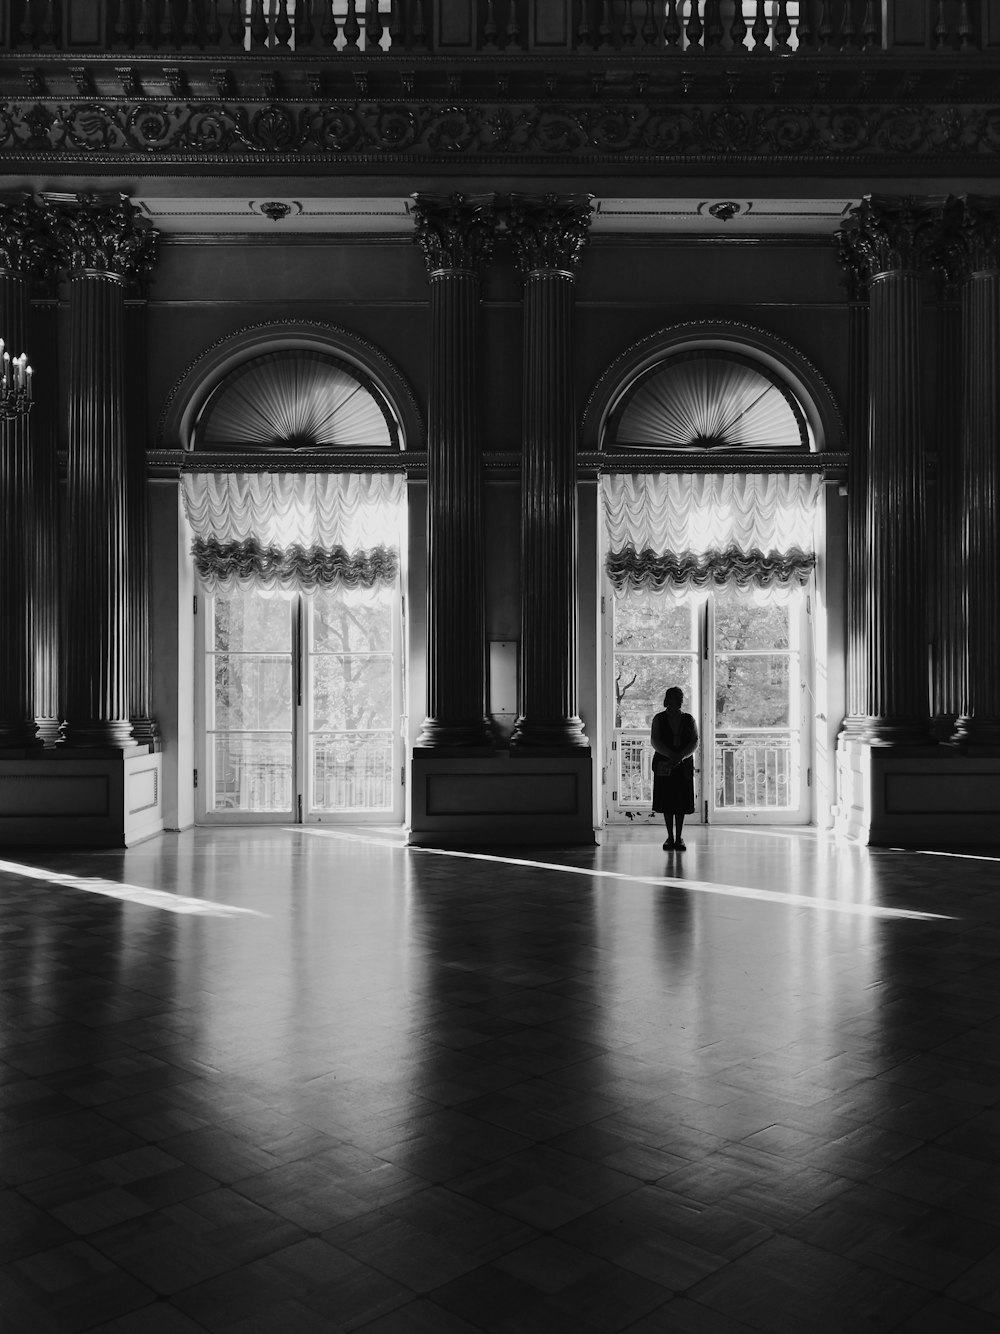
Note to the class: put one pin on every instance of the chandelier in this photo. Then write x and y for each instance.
(15, 385)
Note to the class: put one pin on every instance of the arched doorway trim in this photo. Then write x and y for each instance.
(776, 357)
(191, 391)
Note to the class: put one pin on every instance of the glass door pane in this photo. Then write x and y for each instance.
(249, 707)
(655, 645)
(757, 685)
(351, 675)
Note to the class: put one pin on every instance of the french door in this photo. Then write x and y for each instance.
(744, 667)
(300, 707)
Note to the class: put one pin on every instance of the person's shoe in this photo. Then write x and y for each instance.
(669, 845)
(680, 845)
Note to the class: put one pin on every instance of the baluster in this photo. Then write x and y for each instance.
(166, 29)
(694, 27)
(282, 26)
(490, 27)
(397, 28)
(628, 26)
(213, 28)
(804, 30)
(50, 25)
(513, 27)
(738, 28)
(189, 29)
(121, 28)
(237, 25)
(584, 32)
(941, 27)
(27, 26)
(419, 26)
(328, 29)
(782, 27)
(760, 30)
(305, 29)
(713, 24)
(605, 29)
(352, 28)
(870, 33)
(374, 28)
(143, 25)
(258, 26)
(965, 32)
(649, 26)
(825, 30)
(671, 25)
(848, 28)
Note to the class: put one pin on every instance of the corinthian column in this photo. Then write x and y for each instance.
(105, 246)
(887, 241)
(456, 235)
(980, 307)
(22, 257)
(549, 233)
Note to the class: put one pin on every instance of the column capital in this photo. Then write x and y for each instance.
(891, 234)
(549, 231)
(455, 232)
(24, 244)
(973, 238)
(101, 232)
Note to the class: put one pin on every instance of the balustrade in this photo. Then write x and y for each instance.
(503, 27)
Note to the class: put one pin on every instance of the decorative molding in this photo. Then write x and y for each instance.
(208, 133)
(455, 232)
(548, 231)
(100, 232)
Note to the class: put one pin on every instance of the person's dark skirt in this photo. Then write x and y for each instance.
(673, 793)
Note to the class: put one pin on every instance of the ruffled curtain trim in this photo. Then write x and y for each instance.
(693, 571)
(223, 566)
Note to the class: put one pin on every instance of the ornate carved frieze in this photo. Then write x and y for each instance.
(891, 234)
(100, 233)
(24, 244)
(549, 231)
(209, 132)
(456, 232)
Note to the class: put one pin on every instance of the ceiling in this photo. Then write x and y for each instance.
(272, 215)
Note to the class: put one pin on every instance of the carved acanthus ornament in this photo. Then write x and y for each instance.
(977, 234)
(456, 232)
(101, 233)
(549, 231)
(24, 245)
(890, 234)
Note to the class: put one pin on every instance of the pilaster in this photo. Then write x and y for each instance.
(549, 233)
(456, 236)
(23, 254)
(105, 247)
(979, 225)
(887, 241)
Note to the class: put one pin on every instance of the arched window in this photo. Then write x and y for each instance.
(707, 399)
(296, 399)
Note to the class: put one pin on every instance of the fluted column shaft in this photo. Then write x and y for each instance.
(17, 506)
(47, 532)
(456, 236)
(549, 233)
(948, 684)
(140, 698)
(980, 301)
(106, 247)
(858, 588)
(886, 243)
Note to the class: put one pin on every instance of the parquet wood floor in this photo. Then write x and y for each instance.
(300, 1081)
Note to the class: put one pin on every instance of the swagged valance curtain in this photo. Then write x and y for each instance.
(684, 532)
(294, 532)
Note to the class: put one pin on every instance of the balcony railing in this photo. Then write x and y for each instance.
(512, 28)
(750, 772)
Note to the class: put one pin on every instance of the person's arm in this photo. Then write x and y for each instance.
(682, 752)
(657, 740)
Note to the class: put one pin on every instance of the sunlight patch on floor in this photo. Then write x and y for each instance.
(147, 898)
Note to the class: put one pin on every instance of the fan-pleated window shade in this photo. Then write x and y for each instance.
(708, 400)
(296, 400)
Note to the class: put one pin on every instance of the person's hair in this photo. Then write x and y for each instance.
(675, 692)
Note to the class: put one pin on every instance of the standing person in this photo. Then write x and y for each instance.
(674, 738)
